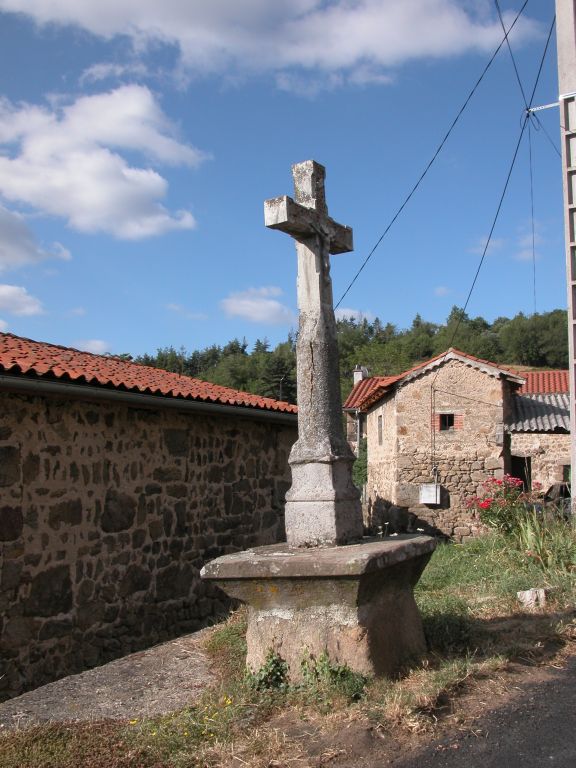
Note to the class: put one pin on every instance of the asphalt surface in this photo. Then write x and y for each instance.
(537, 729)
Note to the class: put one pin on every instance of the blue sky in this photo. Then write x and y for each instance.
(138, 141)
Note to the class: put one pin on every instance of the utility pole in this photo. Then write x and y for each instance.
(566, 43)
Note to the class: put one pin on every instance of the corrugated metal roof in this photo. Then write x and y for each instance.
(540, 413)
(21, 356)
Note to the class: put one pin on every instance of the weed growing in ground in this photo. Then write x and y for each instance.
(324, 682)
(550, 542)
(412, 701)
(447, 623)
(272, 674)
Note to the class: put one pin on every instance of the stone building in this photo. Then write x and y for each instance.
(438, 430)
(539, 428)
(117, 482)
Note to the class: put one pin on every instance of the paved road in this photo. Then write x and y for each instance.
(538, 729)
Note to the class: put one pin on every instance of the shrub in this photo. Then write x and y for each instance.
(545, 538)
(503, 503)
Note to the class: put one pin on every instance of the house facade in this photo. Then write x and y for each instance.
(539, 428)
(117, 483)
(435, 433)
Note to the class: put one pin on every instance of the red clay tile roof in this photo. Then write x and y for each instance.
(374, 386)
(369, 391)
(543, 382)
(50, 361)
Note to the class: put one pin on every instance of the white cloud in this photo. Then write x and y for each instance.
(496, 244)
(113, 71)
(178, 309)
(97, 346)
(17, 301)
(18, 245)
(62, 162)
(344, 313)
(347, 36)
(526, 250)
(3, 326)
(258, 306)
(442, 290)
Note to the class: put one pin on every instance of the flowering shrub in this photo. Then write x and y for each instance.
(503, 503)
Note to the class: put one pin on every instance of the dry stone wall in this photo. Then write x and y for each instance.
(107, 514)
(549, 453)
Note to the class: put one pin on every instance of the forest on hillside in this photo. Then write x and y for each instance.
(538, 340)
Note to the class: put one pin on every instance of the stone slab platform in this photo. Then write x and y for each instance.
(354, 602)
(144, 684)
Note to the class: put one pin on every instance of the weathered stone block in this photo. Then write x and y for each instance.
(11, 523)
(90, 614)
(9, 465)
(55, 628)
(136, 579)
(10, 575)
(174, 582)
(66, 513)
(50, 593)
(119, 511)
(19, 631)
(356, 602)
(30, 468)
(167, 474)
(176, 441)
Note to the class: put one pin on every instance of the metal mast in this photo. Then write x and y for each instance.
(566, 43)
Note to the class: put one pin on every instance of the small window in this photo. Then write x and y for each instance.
(379, 430)
(446, 422)
(566, 473)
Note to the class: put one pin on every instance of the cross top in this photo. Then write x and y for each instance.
(309, 190)
(307, 216)
(322, 505)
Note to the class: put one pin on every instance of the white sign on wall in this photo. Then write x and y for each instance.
(430, 493)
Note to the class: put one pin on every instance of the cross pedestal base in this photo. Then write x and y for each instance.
(356, 602)
(323, 504)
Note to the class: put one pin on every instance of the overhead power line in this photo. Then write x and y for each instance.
(499, 207)
(433, 159)
(497, 4)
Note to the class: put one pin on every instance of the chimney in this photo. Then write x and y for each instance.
(360, 373)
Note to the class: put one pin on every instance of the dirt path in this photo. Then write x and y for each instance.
(526, 720)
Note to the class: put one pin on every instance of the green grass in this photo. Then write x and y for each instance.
(473, 625)
(489, 571)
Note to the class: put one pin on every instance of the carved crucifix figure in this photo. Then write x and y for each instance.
(323, 504)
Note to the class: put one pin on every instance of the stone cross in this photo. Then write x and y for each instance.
(323, 504)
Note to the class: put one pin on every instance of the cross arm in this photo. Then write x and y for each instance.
(288, 216)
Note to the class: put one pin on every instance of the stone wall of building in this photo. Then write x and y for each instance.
(107, 514)
(464, 454)
(382, 461)
(549, 453)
